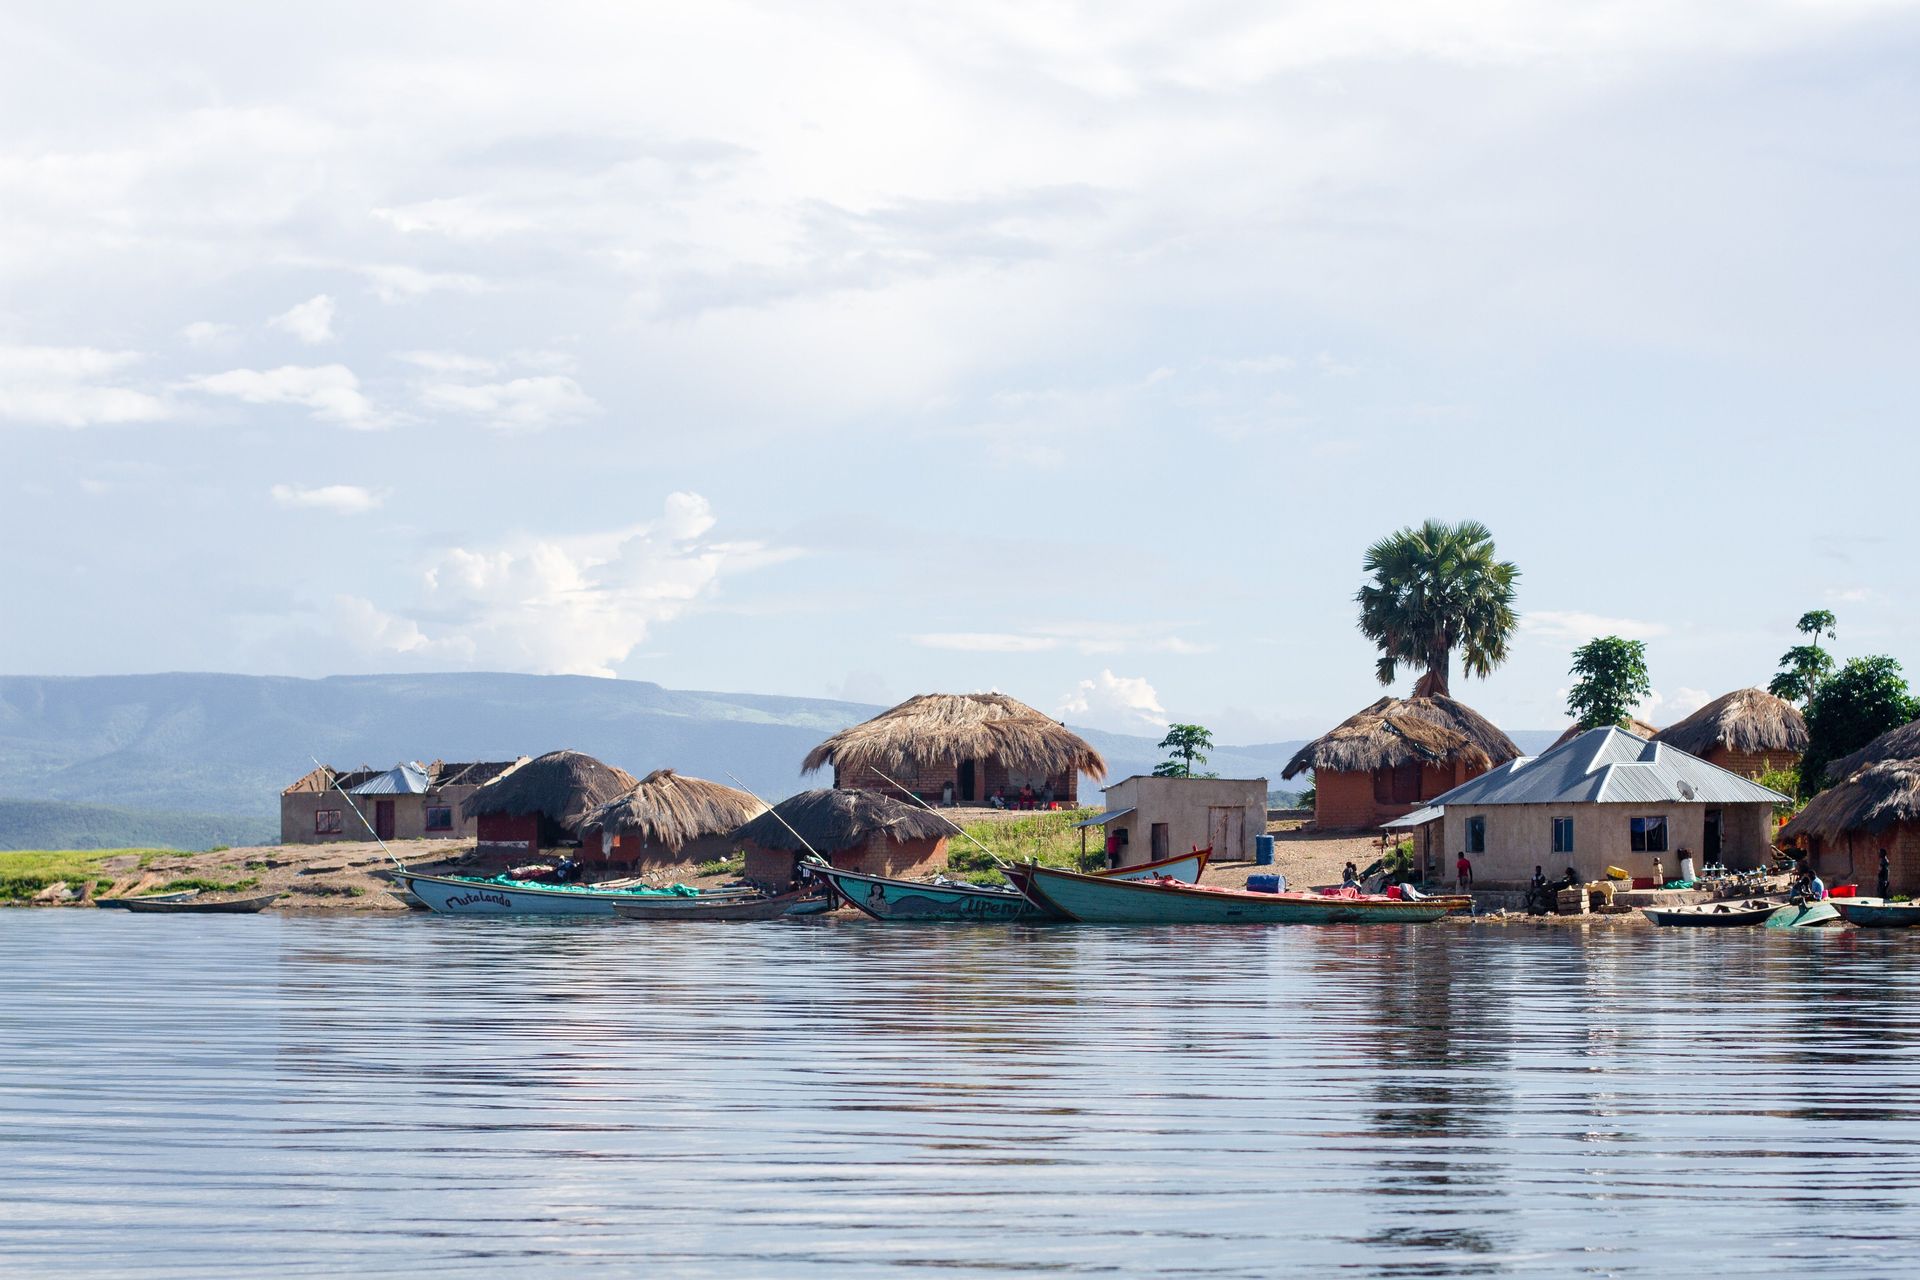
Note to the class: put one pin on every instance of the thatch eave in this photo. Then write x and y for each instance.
(564, 786)
(1433, 730)
(1900, 743)
(832, 819)
(948, 728)
(1869, 802)
(672, 811)
(1750, 721)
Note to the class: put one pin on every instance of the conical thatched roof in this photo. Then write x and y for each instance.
(1869, 801)
(941, 728)
(1751, 720)
(563, 785)
(840, 818)
(1902, 743)
(1393, 731)
(1635, 726)
(672, 811)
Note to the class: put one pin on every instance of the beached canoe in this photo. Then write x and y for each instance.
(1877, 913)
(685, 909)
(1807, 915)
(885, 898)
(1099, 900)
(473, 895)
(120, 904)
(1713, 915)
(197, 905)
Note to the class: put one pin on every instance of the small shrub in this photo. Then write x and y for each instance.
(731, 865)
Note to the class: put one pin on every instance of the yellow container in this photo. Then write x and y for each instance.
(1617, 873)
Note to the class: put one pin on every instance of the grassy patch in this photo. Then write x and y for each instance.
(207, 886)
(26, 872)
(1046, 838)
(331, 890)
(733, 865)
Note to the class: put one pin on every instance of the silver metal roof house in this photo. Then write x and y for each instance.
(401, 780)
(1609, 766)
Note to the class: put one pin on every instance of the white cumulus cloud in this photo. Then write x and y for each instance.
(396, 282)
(329, 391)
(1125, 704)
(72, 387)
(517, 404)
(1577, 628)
(341, 499)
(311, 321)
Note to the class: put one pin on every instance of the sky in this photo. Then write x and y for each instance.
(863, 350)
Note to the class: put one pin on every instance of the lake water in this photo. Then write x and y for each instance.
(268, 1095)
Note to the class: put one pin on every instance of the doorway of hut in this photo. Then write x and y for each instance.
(1710, 838)
(1227, 832)
(383, 819)
(966, 782)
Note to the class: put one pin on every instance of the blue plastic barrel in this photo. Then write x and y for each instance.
(1263, 851)
(1266, 884)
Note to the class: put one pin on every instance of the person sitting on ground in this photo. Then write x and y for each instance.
(998, 799)
(946, 795)
(1026, 795)
(1350, 879)
(1572, 881)
(1539, 880)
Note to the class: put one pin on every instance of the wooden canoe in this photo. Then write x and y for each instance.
(197, 905)
(1713, 915)
(1877, 913)
(731, 909)
(474, 895)
(1097, 900)
(884, 898)
(120, 904)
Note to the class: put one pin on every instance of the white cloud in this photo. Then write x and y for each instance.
(456, 218)
(1125, 704)
(520, 403)
(1574, 627)
(1662, 709)
(448, 362)
(397, 282)
(576, 606)
(311, 321)
(329, 391)
(72, 387)
(206, 334)
(986, 642)
(1092, 637)
(341, 499)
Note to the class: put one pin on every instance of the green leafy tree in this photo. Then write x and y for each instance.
(1612, 681)
(1435, 589)
(1854, 706)
(1805, 667)
(1189, 744)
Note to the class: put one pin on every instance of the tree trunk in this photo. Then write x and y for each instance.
(1435, 682)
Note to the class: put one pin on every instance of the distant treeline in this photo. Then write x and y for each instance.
(53, 824)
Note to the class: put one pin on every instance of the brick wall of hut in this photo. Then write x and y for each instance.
(513, 835)
(630, 852)
(1751, 764)
(1358, 801)
(879, 856)
(930, 781)
(1855, 859)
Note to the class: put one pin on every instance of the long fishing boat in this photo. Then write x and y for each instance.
(1103, 900)
(885, 898)
(498, 896)
(1713, 915)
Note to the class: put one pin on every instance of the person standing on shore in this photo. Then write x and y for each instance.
(1463, 870)
(1886, 877)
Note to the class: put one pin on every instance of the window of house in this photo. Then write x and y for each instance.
(326, 822)
(1649, 835)
(439, 817)
(1477, 834)
(1563, 835)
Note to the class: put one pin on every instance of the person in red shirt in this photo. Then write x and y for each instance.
(1464, 870)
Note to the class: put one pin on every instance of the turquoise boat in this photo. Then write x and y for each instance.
(499, 896)
(885, 898)
(1103, 900)
(1803, 915)
(1877, 913)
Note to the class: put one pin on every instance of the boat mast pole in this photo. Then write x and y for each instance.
(777, 818)
(333, 780)
(914, 796)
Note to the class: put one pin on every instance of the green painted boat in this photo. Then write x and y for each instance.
(1877, 913)
(1101, 900)
(885, 898)
(1803, 915)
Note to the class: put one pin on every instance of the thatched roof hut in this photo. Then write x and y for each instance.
(668, 810)
(1871, 801)
(1397, 731)
(972, 742)
(1637, 727)
(562, 787)
(840, 818)
(1746, 724)
(1902, 743)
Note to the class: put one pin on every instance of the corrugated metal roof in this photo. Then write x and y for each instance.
(1418, 818)
(1102, 819)
(401, 780)
(1609, 766)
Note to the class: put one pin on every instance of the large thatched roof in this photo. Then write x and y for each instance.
(1637, 727)
(1394, 731)
(940, 728)
(563, 785)
(672, 811)
(1868, 802)
(840, 818)
(1750, 720)
(1902, 743)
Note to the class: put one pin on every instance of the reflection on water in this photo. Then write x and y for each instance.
(258, 1094)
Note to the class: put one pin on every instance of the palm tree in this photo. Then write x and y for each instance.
(1435, 589)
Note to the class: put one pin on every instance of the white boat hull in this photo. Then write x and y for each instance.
(448, 895)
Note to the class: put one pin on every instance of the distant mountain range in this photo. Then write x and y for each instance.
(175, 759)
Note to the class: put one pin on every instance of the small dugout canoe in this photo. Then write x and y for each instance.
(121, 904)
(1713, 915)
(691, 909)
(197, 905)
(476, 896)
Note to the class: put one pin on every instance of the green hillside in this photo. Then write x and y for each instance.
(53, 824)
